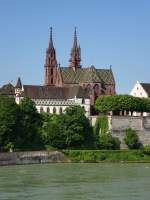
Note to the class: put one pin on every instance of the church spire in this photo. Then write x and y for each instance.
(75, 53)
(51, 39)
(50, 63)
(75, 43)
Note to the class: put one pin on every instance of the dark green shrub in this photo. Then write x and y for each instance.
(131, 139)
(106, 141)
(146, 149)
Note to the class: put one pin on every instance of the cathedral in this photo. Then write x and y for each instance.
(65, 86)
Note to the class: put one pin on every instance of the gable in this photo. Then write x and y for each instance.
(138, 90)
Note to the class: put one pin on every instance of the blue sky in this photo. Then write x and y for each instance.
(110, 32)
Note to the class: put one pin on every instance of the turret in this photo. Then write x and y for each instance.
(75, 53)
(50, 63)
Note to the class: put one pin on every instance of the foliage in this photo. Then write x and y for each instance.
(103, 138)
(106, 155)
(53, 130)
(30, 125)
(78, 129)
(101, 126)
(119, 103)
(71, 129)
(131, 139)
(106, 141)
(146, 149)
(9, 121)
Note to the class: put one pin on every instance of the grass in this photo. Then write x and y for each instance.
(107, 155)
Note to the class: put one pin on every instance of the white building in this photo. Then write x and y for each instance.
(141, 90)
(53, 99)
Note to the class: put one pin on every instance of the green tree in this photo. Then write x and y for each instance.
(131, 139)
(78, 129)
(31, 122)
(53, 130)
(71, 129)
(9, 122)
(119, 103)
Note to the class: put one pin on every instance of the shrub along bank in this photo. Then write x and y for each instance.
(107, 155)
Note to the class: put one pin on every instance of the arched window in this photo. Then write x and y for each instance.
(96, 88)
(60, 110)
(96, 91)
(89, 88)
(48, 110)
(54, 110)
(52, 80)
(41, 109)
(52, 71)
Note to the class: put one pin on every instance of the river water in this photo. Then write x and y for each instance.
(75, 182)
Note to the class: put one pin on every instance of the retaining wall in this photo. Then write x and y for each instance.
(34, 157)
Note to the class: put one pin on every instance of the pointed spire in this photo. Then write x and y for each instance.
(75, 53)
(19, 84)
(51, 38)
(75, 43)
(50, 62)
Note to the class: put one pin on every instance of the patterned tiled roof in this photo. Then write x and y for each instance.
(86, 75)
(7, 89)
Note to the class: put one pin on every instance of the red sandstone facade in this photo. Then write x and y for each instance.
(96, 81)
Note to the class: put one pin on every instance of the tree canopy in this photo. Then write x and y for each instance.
(122, 103)
(70, 129)
(9, 121)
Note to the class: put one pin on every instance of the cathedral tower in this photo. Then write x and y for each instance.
(50, 63)
(75, 53)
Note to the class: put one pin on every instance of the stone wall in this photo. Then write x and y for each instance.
(34, 157)
(118, 125)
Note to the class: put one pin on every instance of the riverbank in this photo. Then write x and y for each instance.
(32, 157)
(107, 155)
(75, 156)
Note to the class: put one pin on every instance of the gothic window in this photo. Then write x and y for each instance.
(96, 92)
(48, 110)
(51, 71)
(89, 88)
(96, 89)
(60, 110)
(52, 80)
(54, 110)
(41, 109)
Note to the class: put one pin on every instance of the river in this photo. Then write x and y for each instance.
(75, 182)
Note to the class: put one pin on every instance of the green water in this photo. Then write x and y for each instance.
(75, 182)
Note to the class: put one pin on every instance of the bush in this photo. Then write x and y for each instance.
(131, 139)
(146, 150)
(106, 141)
